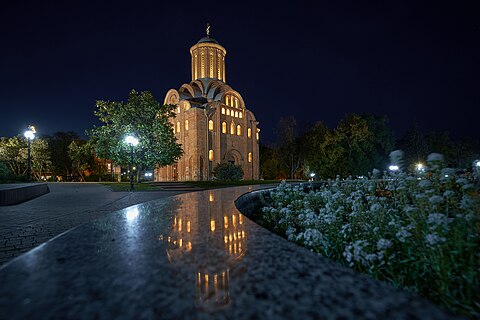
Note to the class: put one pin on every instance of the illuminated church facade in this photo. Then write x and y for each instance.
(212, 122)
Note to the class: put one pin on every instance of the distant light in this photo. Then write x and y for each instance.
(477, 163)
(131, 140)
(29, 134)
(134, 168)
(419, 166)
(148, 174)
(312, 174)
(393, 168)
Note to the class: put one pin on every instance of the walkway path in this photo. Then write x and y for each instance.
(26, 225)
(191, 256)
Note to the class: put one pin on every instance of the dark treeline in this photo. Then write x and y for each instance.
(355, 147)
(62, 156)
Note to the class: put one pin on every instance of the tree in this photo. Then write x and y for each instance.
(81, 155)
(10, 154)
(143, 117)
(383, 140)
(353, 134)
(61, 162)
(414, 145)
(269, 164)
(290, 150)
(228, 172)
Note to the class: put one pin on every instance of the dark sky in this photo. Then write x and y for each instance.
(315, 60)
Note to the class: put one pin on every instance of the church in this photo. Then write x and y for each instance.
(212, 122)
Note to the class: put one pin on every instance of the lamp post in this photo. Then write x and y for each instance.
(30, 135)
(132, 141)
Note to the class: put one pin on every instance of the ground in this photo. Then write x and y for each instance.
(29, 224)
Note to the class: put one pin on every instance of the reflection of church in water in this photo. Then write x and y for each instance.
(211, 120)
(213, 245)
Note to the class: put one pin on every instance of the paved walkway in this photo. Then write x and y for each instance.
(29, 224)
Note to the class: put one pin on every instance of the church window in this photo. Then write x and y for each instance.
(258, 134)
(240, 115)
(236, 102)
(232, 128)
(223, 110)
(186, 125)
(249, 157)
(227, 100)
(186, 106)
(239, 130)
(236, 114)
(211, 64)
(224, 127)
(196, 66)
(219, 63)
(202, 68)
(249, 132)
(210, 125)
(228, 112)
(178, 109)
(210, 155)
(178, 126)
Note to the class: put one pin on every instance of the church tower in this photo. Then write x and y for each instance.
(212, 122)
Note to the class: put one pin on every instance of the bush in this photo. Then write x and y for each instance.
(228, 172)
(5, 174)
(418, 233)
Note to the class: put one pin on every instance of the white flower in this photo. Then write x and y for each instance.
(384, 244)
(433, 239)
(424, 183)
(448, 194)
(375, 207)
(402, 235)
(435, 199)
(434, 157)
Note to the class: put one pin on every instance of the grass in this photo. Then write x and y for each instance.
(149, 186)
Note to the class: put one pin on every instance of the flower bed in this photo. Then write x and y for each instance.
(421, 234)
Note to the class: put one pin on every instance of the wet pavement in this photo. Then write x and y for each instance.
(29, 224)
(191, 256)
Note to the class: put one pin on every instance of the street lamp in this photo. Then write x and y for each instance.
(312, 174)
(132, 141)
(30, 135)
(393, 168)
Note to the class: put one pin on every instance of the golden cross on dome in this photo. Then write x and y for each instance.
(208, 30)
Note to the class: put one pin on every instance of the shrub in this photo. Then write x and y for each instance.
(418, 233)
(228, 172)
(6, 174)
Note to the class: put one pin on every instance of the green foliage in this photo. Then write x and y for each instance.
(81, 155)
(61, 162)
(421, 235)
(289, 146)
(6, 175)
(143, 117)
(228, 172)
(14, 155)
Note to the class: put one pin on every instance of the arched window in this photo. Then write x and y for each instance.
(187, 106)
(228, 112)
(224, 127)
(223, 110)
(249, 157)
(232, 128)
(186, 125)
(178, 109)
(239, 130)
(249, 132)
(236, 102)
(227, 99)
(178, 126)
(210, 125)
(210, 155)
(236, 114)
(258, 134)
(240, 114)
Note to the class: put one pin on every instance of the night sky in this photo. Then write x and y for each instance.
(315, 60)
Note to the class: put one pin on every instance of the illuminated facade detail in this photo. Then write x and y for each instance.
(186, 125)
(249, 132)
(224, 127)
(249, 157)
(206, 100)
(258, 134)
(210, 155)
